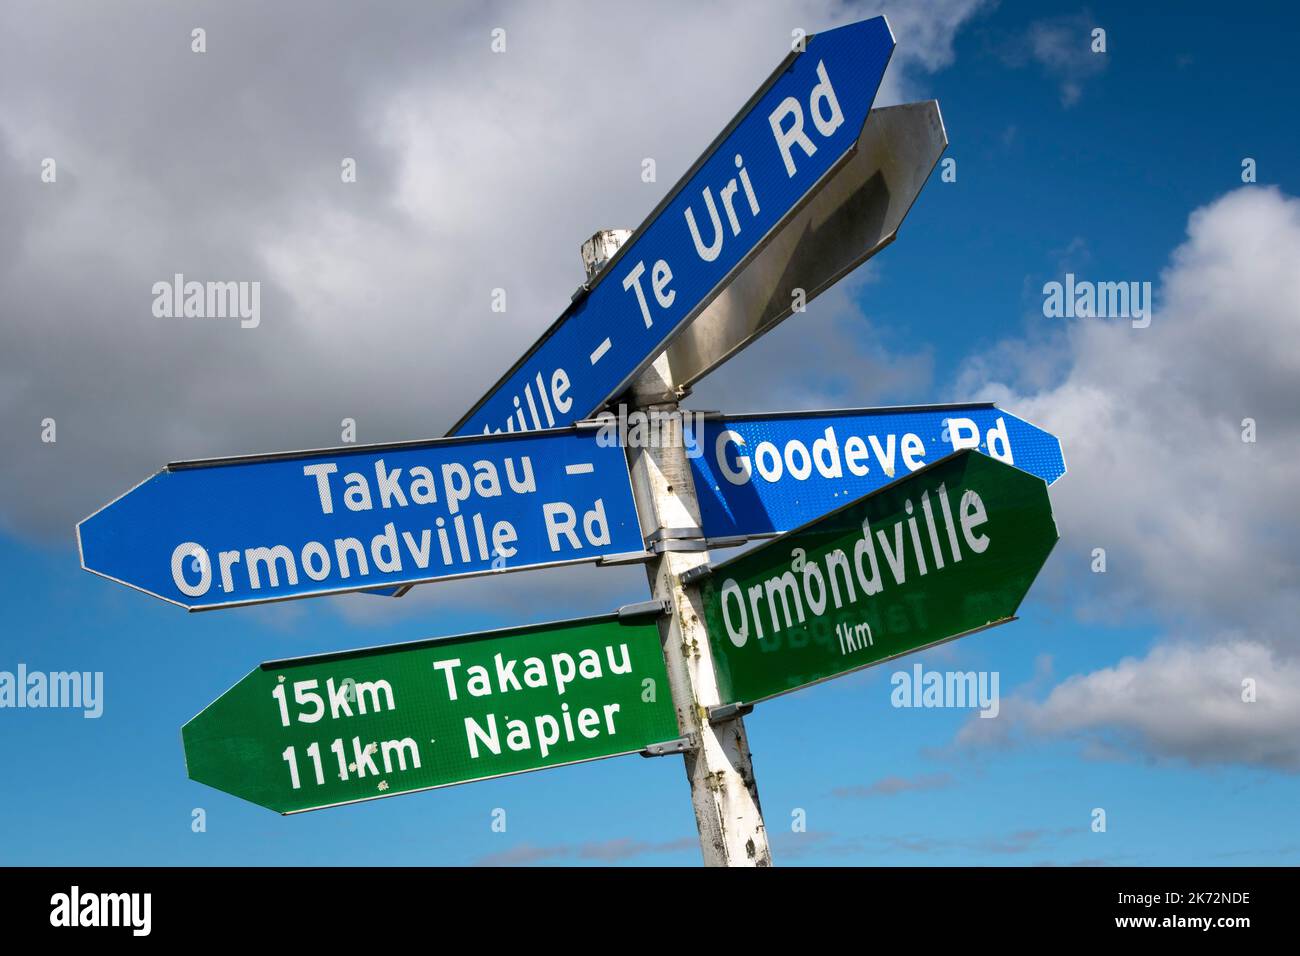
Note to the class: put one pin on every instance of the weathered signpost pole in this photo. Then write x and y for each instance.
(724, 794)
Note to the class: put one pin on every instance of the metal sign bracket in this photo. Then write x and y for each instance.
(642, 608)
(728, 711)
(679, 746)
(630, 557)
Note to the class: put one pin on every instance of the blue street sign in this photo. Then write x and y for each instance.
(767, 474)
(797, 129)
(226, 532)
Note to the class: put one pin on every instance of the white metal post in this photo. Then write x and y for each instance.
(719, 769)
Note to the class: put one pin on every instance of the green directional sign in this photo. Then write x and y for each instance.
(338, 728)
(948, 550)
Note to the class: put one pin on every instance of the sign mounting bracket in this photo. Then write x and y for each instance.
(679, 746)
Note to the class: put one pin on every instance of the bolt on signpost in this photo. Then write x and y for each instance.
(900, 528)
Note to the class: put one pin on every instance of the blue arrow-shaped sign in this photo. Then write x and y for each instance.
(797, 129)
(768, 474)
(227, 532)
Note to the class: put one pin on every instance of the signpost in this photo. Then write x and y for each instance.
(339, 728)
(799, 128)
(946, 551)
(227, 532)
(764, 474)
(898, 533)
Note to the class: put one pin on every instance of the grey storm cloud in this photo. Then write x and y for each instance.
(475, 171)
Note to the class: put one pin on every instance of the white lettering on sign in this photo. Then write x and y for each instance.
(721, 210)
(539, 410)
(966, 434)
(720, 215)
(829, 457)
(346, 697)
(339, 699)
(787, 120)
(363, 759)
(558, 671)
(660, 277)
(710, 251)
(546, 730)
(788, 598)
(458, 536)
(455, 480)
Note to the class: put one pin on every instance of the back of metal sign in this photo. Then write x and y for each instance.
(853, 216)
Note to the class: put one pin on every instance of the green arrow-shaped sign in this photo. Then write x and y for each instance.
(338, 728)
(948, 550)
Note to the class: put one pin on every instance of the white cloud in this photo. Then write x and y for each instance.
(894, 785)
(1194, 521)
(1062, 48)
(1201, 529)
(1180, 702)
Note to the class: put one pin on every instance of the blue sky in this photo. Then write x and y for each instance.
(1066, 161)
